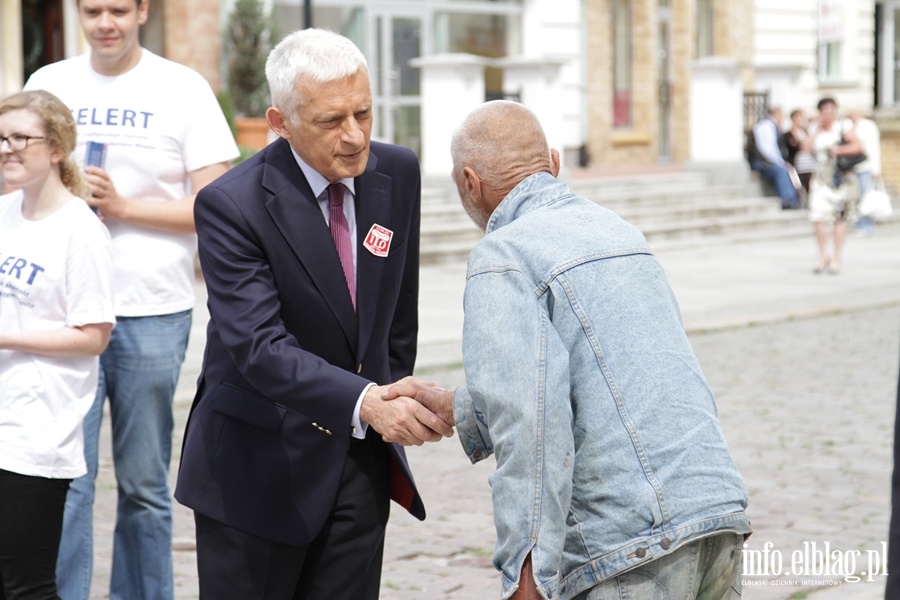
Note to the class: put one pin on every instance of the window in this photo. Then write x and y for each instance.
(622, 84)
(831, 34)
(481, 34)
(830, 61)
(704, 28)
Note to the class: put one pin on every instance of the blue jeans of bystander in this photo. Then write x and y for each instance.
(864, 224)
(780, 179)
(138, 373)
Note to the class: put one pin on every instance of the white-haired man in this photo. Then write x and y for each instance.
(310, 251)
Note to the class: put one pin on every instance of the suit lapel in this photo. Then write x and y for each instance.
(296, 214)
(373, 206)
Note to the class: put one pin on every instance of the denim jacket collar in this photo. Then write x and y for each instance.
(539, 189)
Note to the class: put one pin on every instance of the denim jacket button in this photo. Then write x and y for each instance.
(665, 543)
(477, 454)
(640, 553)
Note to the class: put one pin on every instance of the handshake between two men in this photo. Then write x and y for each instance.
(409, 412)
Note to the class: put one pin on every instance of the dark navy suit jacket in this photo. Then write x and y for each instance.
(286, 356)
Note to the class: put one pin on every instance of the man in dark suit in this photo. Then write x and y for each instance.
(291, 454)
(892, 586)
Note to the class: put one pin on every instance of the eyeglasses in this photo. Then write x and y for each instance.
(18, 142)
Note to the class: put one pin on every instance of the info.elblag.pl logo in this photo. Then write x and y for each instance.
(813, 559)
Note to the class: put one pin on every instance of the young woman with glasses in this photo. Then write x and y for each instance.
(56, 316)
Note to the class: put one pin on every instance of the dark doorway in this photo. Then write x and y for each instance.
(42, 34)
(879, 34)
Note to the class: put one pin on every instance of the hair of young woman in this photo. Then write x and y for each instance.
(60, 132)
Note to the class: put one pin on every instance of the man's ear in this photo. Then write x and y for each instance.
(554, 162)
(472, 184)
(276, 120)
(143, 11)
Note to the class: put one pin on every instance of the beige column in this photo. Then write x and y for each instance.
(10, 47)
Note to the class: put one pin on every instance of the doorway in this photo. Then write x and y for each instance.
(664, 82)
(888, 57)
(399, 37)
(42, 34)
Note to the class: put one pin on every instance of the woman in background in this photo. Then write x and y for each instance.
(803, 161)
(833, 193)
(56, 316)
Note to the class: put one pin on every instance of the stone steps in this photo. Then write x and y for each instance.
(671, 208)
(690, 208)
(652, 190)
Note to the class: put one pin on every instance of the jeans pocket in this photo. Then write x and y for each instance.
(175, 318)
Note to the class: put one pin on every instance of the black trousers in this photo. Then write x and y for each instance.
(31, 517)
(892, 589)
(342, 563)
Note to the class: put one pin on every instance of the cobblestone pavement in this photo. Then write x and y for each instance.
(807, 405)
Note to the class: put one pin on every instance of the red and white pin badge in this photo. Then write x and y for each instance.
(378, 240)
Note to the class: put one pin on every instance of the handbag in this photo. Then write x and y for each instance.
(846, 162)
(876, 204)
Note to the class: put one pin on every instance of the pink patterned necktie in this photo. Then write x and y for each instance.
(340, 233)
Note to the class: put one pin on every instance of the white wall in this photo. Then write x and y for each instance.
(452, 86)
(552, 29)
(716, 98)
(786, 38)
(10, 47)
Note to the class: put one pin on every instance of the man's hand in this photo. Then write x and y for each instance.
(402, 419)
(437, 400)
(527, 589)
(103, 193)
(173, 216)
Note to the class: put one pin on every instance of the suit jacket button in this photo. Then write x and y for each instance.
(359, 368)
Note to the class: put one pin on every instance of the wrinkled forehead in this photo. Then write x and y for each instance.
(352, 90)
(92, 2)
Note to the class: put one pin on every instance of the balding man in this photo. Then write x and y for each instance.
(612, 470)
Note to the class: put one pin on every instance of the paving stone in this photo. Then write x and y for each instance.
(804, 368)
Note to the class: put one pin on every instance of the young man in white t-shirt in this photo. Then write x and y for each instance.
(166, 138)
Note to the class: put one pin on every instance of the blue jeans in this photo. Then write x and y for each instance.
(780, 179)
(864, 223)
(706, 569)
(138, 372)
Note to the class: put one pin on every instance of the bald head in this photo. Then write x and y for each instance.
(503, 143)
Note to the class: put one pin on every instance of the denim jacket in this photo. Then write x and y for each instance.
(581, 381)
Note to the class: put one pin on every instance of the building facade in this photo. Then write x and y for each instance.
(621, 83)
(37, 32)
(650, 60)
(392, 33)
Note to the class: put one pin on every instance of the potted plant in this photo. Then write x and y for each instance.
(248, 39)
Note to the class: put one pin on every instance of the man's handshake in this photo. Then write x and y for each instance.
(409, 412)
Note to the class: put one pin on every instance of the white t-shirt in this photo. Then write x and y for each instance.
(55, 272)
(825, 140)
(870, 138)
(160, 121)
